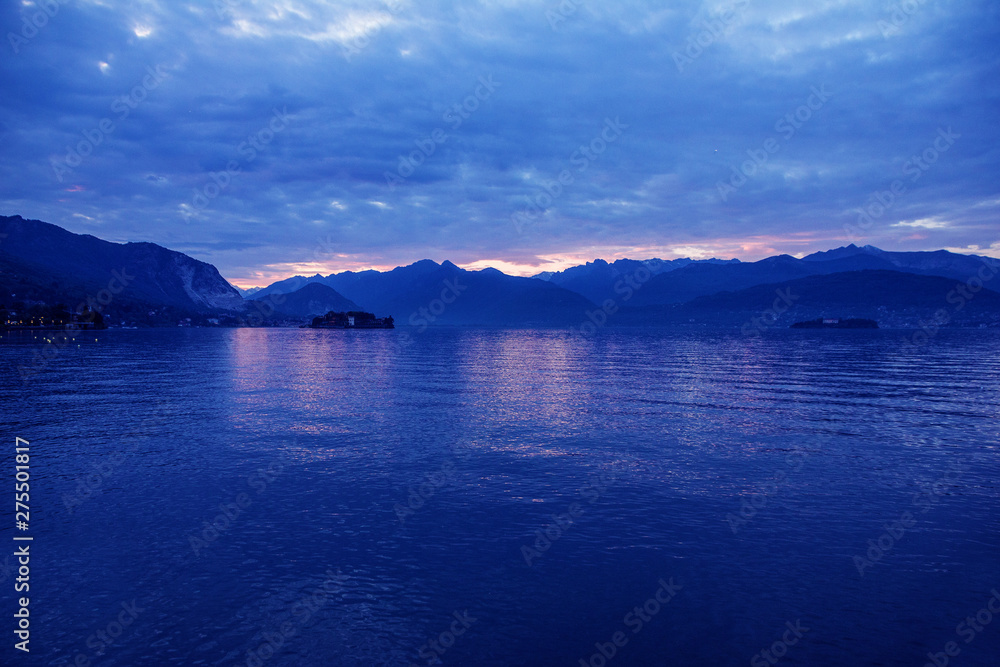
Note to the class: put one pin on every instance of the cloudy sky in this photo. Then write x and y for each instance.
(273, 138)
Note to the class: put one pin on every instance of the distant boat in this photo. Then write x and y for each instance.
(836, 323)
(353, 319)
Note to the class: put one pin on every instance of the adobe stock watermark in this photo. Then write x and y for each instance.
(714, 30)
(455, 116)
(433, 649)
(930, 493)
(122, 107)
(581, 158)
(900, 13)
(547, 536)
(248, 150)
(88, 485)
(100, 641)
(310, 603)
(635, 620)
(925, 499)
(779, 648)
(626, 286)
(786, 126)
(426, 315)
(33, 24)
(562, 12)
(425, 490)
(968, 630)
(958, 297)
(360, 42)
(231, 511)
(89, 308)
(262, 309)
(882, 201)
(756, 325)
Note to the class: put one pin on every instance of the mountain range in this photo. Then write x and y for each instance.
(892, 298)
(41, 263)
(426, 293)
(314, 299)
(45, 263)
(596, 280)
(697, 280)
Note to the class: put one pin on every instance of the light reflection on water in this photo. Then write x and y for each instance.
(685, 425)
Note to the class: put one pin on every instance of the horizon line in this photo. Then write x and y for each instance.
(529, 271)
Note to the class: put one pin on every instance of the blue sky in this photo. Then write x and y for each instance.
(273, 138)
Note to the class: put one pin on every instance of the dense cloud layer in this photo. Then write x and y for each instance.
(298, 136)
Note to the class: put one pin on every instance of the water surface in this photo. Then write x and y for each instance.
(379, 489)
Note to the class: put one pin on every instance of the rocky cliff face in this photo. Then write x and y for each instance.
(147, 272)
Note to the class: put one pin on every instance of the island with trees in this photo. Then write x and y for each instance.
(352, 319)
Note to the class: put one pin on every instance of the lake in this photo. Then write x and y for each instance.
(507, 497)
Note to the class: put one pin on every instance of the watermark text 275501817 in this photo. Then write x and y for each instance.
(22, 516)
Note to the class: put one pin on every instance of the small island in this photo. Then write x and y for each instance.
(836, 323)
(352, 319)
